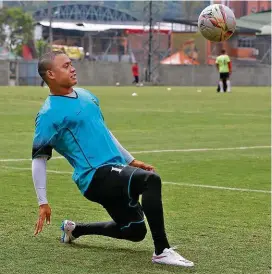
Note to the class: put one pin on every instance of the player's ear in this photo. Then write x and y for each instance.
(50, 74)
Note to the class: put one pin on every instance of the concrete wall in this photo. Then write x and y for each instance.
(251, 76)
(103, 74)
(106, 74)
(207, 75)
(4, 73)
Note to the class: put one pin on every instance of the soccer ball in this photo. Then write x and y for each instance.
(217, 23)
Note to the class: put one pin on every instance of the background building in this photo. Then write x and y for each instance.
(242, 8)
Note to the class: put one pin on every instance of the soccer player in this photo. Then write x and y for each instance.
(71, 122)
(135, 72)
(224, 67)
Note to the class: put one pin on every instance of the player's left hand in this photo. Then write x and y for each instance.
(142, 165)
(44, 215)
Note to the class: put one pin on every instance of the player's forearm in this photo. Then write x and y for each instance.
(230, 66)
(39, 179)
(128, 157)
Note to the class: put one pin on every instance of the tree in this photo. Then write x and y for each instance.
(41, 47)
(16, 28)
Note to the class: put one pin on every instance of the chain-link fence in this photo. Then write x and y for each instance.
(176, 49)
(168, 48)
(100, 73)
(169, 43)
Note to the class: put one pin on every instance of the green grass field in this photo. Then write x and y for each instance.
(222, 230)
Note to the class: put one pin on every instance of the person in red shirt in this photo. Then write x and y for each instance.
(135, 72)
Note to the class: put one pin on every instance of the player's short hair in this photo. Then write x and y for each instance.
(223, 51)
(45, 62)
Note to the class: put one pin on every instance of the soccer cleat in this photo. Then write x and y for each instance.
(171, 257)
(67, 228)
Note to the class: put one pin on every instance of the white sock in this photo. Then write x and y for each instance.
(221, 86)
(228, 85)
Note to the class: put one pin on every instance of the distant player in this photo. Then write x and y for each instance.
(135, 72)
(224, 67)
(71, 122)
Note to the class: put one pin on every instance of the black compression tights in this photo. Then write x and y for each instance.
(149, 185)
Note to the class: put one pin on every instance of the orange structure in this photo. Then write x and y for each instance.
(243, 8)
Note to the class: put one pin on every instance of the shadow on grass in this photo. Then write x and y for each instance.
(109, 248)
(135, 258)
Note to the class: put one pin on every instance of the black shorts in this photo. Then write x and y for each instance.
(224, 75)
(112, 188)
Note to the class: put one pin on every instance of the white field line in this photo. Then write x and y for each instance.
(247, 114)
(22, 102)
(160, 151)
(22, 160)
(167, 183)
(199, 149)
(218, 187)
(28, 168)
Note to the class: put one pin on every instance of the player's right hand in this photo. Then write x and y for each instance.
(44, 214)
(142, 165)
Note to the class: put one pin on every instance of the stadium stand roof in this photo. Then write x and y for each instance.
(88, 17)
(260, 22)
(83, 12)
(181, 21)
(240, 28)
(94, 27)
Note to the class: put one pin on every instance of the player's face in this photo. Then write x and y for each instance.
(62, 72)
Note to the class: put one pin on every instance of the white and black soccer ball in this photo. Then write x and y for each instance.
(217, 23)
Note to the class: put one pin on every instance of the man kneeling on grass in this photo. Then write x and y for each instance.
(71, 122)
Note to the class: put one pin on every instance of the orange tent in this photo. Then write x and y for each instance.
(179, 58)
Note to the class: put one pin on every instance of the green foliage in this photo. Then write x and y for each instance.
(19, 25)
(41, 47)
(18, 50)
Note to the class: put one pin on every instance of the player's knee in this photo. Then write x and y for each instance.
(154, 180)
(136, 232)
(139, 233)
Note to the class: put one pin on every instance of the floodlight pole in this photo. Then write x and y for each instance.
(150, 43)
(50, 25)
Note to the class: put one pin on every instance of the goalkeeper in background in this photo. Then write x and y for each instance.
(224, 67)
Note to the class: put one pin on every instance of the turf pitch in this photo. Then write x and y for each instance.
(222, 230)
